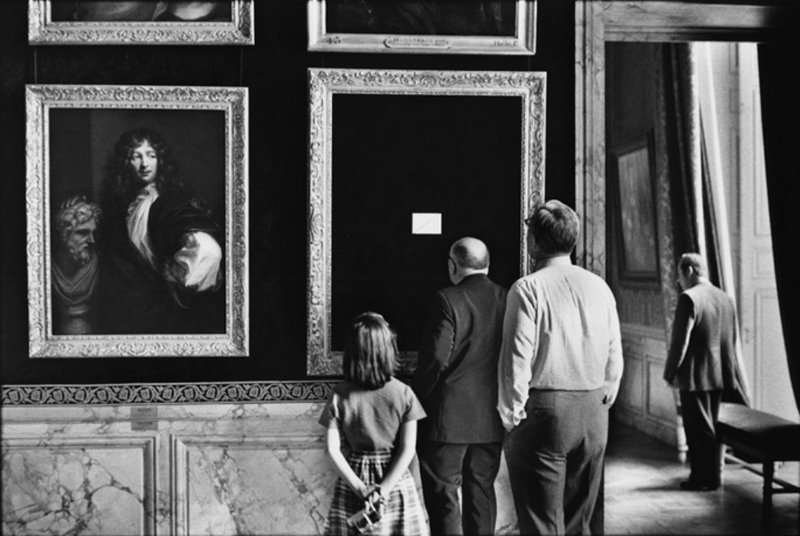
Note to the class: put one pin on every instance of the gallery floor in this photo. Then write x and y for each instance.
(642, 494)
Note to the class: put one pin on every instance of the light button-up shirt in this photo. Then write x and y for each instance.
(560, 331)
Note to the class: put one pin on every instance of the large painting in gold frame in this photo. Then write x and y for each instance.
(527, 92)
(222, 112)
(433, 27)
(221, 22)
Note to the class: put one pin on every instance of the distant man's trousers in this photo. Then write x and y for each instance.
(555, 460)
(699, 411)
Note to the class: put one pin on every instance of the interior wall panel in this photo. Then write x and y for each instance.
(88, 485)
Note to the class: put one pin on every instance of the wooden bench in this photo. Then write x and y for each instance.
(761, 437)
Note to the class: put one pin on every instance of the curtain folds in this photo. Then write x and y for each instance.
(780, 115)
(697, 193)
(683, 145)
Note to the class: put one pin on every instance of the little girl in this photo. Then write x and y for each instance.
(373, 417)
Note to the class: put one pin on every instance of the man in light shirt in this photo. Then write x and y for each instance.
(559, 372)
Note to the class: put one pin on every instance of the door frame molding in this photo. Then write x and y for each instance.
(599, 22)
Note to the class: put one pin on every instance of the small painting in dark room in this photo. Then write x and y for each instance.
(494, 18)
(635, 180)
(147, 10)
(446, 27)
(143, 22)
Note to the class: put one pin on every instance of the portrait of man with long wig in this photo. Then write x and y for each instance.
(160, 244)
(137, 221)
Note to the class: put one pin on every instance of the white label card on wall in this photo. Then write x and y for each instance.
(426, 223)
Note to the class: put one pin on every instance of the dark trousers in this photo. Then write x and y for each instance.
(446, 467)
(700, 410)
(555, 461)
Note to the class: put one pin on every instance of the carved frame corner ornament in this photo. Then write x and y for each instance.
(529, 87)
(43, 30)
(523, 42)
(233, 102)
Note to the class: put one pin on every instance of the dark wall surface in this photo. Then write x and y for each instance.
(275, 71)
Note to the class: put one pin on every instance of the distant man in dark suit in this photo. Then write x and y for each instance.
(702, 362)
(456, 380)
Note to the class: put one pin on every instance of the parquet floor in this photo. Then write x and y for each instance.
(642, 494)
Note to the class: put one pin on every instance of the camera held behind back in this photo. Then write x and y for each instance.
(367, 517)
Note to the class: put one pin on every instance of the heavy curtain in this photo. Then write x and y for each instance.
(780, 114)
(683, 145)
(697, 192)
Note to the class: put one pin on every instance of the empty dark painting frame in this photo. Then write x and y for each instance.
(232, 103)
(43, 30)
(522, 41)
(633, 173)
(528, 87)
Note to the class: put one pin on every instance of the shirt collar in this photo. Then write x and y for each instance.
(558, 260)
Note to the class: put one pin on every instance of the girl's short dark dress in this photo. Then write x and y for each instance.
(369, 422)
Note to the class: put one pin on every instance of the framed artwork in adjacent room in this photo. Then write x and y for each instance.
(137, 221)
(402, 164)
(147, 22)
(633, 176)
(432, 27)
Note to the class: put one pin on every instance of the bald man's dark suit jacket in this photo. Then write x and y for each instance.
(460, 441)
(456, 377)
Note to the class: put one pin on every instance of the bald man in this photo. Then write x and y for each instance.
(702, 362)
(460, 442)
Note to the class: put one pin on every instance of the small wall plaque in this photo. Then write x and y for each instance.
(426, 223)
(144, 419)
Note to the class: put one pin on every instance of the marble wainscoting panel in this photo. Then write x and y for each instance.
(90, 485)
(179, 469)
(261, 485)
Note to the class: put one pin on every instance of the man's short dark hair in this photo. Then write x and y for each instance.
(554, 226)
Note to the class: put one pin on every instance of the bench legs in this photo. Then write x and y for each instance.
(769, 473)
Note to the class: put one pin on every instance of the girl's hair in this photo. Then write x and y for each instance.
(370, 352)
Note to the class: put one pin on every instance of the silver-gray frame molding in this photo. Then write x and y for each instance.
(529, 87)
(233, 102)
(43, 30)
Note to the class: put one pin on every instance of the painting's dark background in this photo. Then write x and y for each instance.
(275, 71)
(71, 10)
(394, 155)
(473, 18)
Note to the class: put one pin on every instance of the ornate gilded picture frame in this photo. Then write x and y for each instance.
(97, 22)
(137, 221)
(470, 27)
(462, 152)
